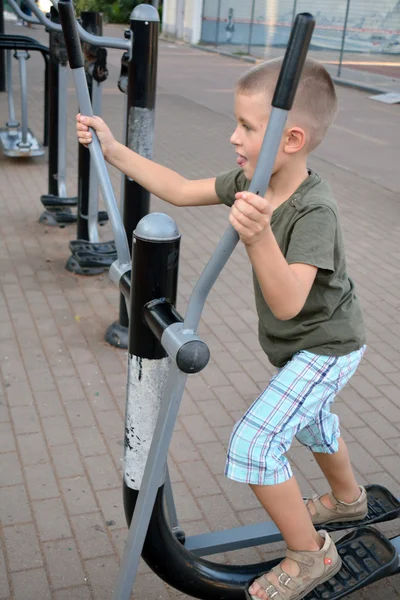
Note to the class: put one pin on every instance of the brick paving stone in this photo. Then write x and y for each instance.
(74, 593)
(111, 505)
(10, 472)
(51, 519)
(91, 534)
(64, 563)
(4, 585)
(22, 547)
(67, 461)
(33, 449)
(31, 585)
(7, 441)
(57, 431)
(102, 472)
(78, 495)
(102, 574)
(14, 506)
(90, 441)
(41, 481)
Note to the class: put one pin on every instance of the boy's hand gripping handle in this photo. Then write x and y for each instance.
(293, 62)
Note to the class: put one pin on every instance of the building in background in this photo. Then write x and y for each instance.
(371, 27)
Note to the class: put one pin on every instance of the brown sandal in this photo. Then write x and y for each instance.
(315, 568)
(356, 511)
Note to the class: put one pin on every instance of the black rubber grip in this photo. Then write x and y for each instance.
(71, 35)
(296, 52)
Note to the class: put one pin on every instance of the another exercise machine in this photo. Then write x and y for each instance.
(164, 349)
(16, 138)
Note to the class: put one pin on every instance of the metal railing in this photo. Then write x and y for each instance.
(355, 41)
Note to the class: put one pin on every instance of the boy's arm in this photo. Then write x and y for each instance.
(285, 287)
(161, 181)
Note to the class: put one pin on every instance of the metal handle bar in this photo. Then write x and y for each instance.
(282, 101)
(76, 61)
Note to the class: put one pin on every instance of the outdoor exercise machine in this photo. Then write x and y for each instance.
(163, 349)
(16, 138)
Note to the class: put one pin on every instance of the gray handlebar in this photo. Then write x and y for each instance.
(295, 55)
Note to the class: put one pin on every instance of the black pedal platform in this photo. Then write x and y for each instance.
(96, 248)
(367, 556)
(382, 506)
(89, 260)
(51, 201)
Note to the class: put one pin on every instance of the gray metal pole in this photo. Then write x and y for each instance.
(12, 122)
(22, 58)
(346, 18)
(251, 26)
(217, 25)
(294, 10)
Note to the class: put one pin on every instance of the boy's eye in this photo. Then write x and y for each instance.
(246, 127)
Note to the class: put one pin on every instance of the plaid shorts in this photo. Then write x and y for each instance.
(297, 404)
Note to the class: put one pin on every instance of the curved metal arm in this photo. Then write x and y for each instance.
(15, 7)
(95, 40)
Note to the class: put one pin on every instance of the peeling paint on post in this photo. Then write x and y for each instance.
(141, 130)
(154, 275)
(146, 383)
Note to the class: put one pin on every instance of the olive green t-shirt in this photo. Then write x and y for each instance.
(307, 230)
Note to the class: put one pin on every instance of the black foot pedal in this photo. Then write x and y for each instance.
(73, 266)
(117, 335)
(51, 201)
(57, 218)
(382, 506)
(367, 556)
(102, 217)
(89, 260)
(85, 246)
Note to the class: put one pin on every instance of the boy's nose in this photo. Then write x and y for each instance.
(235, 138)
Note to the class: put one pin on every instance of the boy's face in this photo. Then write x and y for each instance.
(252, 114)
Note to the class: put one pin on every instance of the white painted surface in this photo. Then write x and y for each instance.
(145, 387)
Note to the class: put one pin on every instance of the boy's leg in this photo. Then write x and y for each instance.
(256, 455)
(285, 505)
(339, 473)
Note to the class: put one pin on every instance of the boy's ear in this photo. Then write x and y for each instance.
(295, 140)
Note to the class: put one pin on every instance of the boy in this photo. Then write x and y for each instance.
(310, 321)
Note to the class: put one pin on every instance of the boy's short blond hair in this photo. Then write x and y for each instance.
(315, 104)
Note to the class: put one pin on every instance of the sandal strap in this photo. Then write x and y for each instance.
(290, 584)
(319, 507)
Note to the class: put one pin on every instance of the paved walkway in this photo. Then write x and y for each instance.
(62, 397)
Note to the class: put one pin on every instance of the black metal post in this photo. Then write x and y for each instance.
(346, 18)
(2, 54)
(251, 26)
(155, 264)
(92, 22)
(56, 202)
(53, 109)
(142, 79)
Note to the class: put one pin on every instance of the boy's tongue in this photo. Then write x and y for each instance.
(241, 160)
